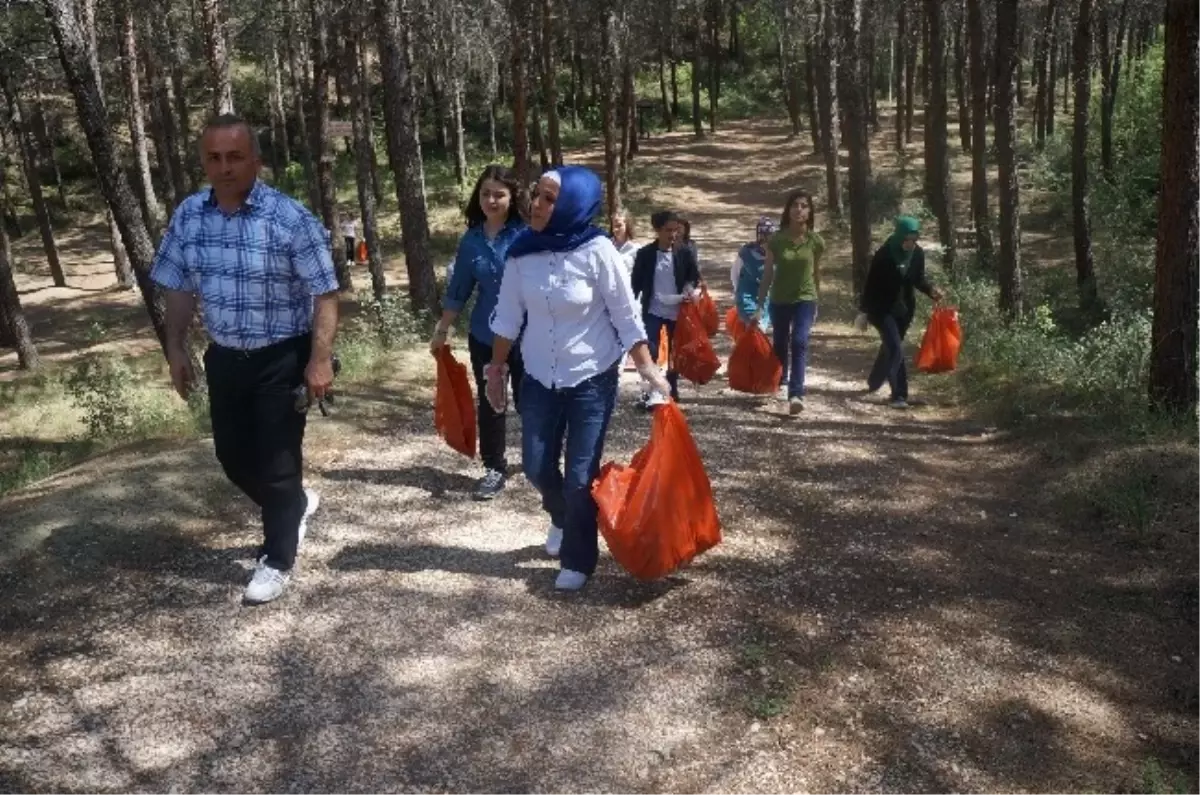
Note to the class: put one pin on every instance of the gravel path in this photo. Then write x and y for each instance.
(895, 607)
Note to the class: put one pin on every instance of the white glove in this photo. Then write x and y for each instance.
(495, 377)
(654, 377)
(860, 322)
(670, 300)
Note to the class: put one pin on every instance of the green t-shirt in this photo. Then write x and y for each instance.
(794, 264)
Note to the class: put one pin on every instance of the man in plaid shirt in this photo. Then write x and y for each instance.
(261, 266)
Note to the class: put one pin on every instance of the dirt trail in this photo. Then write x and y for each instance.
(896, 606)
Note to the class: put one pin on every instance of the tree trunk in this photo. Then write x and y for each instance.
(1007, 54)
(937, 157)
(41, 131)
(626, 118)
(1173, 338)
(668, 117)
(147, 196)
(1045, 77)
(187, 149)
(980, 216)
(322, 150)
(910, 70)
(520, 106)
(363, 148)
(827, 90)
(960, 84)
(217, 51)
(900, 48)
(1052, 78)
(19, 115)
(404, 154)
(1110, 76)
(714, 63)
(1019, 80)
(81, 79)
(458, 138)
(296, 76)
(281, 146)
(608, 113)
(539, 140)
(550, 84)
(1085, 270)
(814, 111)
(168, 148)
(674, 89)
(13, 326)
(857, 140)
(697, 48)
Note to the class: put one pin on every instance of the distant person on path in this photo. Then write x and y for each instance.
(665, 275)
(565, 279)
(747, 272)
(350, 237)
(261, 266)
(494, 219)
(792, 279)
(888, 303)
(623, 233)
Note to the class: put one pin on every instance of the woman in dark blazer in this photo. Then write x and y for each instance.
(664, 276)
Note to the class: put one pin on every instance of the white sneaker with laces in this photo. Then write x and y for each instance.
(554, 540)
(266, 585)
(569, 580)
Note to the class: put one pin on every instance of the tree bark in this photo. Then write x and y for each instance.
(1173, 337)
(217, 51)
(814, 111)
(518, 10)
(937, 157)
(404, 154)
(296, 73)
(827, 92)
(910, 70)
(960, 83)
(714, 62)
(1045, 76)
(147, 195)
(1085, 270)
(1052, 77)
(697, 49)
(73, 53)
(857, 139)
(980, 216)
(608, 114)
(19, 115)
(899, 58)
(550, 84)
(1110, 78)
(13, 327)
(280, 145)
(41, 132)
(169, 147)
(322, 150)
(627, 118)
(1009, 263)
(187, 146)
(363, 148)
(668, 117)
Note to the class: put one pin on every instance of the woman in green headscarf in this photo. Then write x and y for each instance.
(888, 303)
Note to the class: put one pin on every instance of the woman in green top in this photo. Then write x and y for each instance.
(791, 275)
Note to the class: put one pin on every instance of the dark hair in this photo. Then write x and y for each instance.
(687, 229)
(664, 217)
(518, 205)
(227, 121)
(785, 219)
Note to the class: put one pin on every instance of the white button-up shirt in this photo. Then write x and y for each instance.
(579, 312)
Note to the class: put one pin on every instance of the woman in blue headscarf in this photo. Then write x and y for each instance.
(565, 282)
(747, 272)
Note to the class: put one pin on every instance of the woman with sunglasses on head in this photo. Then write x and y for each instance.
(889, 302)
(792, 279)
(565, 279)
(494, 219)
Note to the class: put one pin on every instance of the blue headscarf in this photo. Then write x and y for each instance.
(570, 226)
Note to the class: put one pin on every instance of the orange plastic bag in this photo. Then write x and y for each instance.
(941, 343)
(694, 357)
(664, 345)
(734, 325)
(361, 253)
(658, 513)
(454, 405)
(753, 365)
(709, 317)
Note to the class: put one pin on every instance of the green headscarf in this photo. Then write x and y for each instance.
(905, 225)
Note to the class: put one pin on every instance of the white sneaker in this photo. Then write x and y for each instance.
(554, 540)
(569, 580)
(313, 502)
(266, 585)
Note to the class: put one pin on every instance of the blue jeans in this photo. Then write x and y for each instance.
(579, 417)
(793, 323)
(654, 325)
(889, 364)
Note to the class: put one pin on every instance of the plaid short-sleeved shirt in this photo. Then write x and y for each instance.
(255, 270)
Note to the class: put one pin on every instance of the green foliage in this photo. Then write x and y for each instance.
(885, 195)
(116, 401)
(1159, 780)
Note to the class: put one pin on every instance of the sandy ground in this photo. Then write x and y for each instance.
(899, 604)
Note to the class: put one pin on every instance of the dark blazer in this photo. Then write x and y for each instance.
(890, 292)
(687, 271)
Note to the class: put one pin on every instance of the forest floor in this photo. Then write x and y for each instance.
(903, 601)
